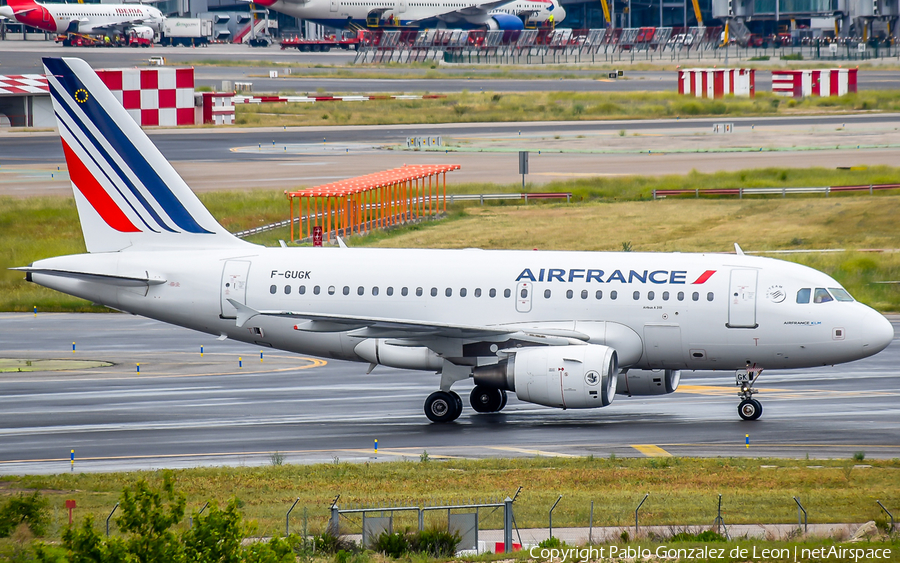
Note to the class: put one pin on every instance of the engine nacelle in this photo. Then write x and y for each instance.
(504, 22)
(567, 377)
(641, 382)
(378, 351)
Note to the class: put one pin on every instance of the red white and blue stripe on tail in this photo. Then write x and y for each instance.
(128, 195)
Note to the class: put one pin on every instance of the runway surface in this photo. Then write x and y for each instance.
(292, 158)
(24, 57)
(185, 410)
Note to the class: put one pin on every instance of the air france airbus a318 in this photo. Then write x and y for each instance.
(561, 329)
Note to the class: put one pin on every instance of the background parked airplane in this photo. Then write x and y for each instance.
(560, 329)
(109, 19)
(493, 14)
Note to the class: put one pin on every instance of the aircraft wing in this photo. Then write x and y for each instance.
(469, 10)
(374, 327)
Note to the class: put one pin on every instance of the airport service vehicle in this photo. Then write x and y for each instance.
(87, 19)
(492, 14)
(561, 329)
(189, 32)
(348, 40)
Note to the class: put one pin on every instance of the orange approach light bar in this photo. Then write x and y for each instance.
(373, 201)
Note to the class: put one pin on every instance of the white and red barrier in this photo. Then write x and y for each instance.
(218, 108)
(803, 83)
(154, 96)
(717, 82)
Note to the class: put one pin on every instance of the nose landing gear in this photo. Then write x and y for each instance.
(750, 408)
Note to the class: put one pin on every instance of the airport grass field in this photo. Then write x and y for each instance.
(478, 106)
(606, 214)
(683, 491)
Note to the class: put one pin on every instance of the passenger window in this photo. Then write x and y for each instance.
(524, 293)
(492, 292)
(375, 290)
(272, 289)
(330, 290)
(287, 290)
(346, 290)
(316, 290)
(665, 296)
(448, 292)
(636, 295)
(301, 290)
(507, 293)
(695, 296)
(803, 295)
(599, 294)
(822, 296)
(584, 294)
(681, 296)
(434, 292)
(614, 295)
(477, 292)
(418, 292)
(462, 292)
(546, 294)
(404, 291)
(360, 290)
(840, 294)
(709, 296)
(651, 295)
(390, 291)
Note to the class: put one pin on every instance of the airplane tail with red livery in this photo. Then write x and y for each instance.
(128, 195)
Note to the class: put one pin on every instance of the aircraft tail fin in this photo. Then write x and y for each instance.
(128, 195)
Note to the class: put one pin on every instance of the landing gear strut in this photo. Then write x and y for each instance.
(443, 406)
(487, 399)
(750, 408)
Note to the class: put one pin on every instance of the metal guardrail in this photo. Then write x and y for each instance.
(741, 192)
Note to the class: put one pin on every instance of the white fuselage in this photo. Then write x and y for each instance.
(338, 13)
(744, 312)
(89, 18)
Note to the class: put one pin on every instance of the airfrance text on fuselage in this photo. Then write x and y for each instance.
(599, 276)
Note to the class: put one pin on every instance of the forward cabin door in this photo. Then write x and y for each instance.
(233, 286)
(742, 299)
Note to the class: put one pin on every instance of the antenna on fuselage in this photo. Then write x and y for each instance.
(738, 250)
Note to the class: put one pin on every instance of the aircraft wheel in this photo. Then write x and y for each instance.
(750, 409)
(441, 406)
(487, 399)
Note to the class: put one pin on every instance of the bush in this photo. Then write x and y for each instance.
(394, 545)
(30, 510)
(551, 543)
(704, 536)
(329, 543)
(436, 543)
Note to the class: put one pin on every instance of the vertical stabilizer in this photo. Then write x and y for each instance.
(127, 193)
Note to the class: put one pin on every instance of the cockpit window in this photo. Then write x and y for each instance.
(840, 294)
(803, 295)
(822, 296)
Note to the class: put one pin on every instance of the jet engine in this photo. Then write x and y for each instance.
(568, 377)
(504, 22)
(648, 382)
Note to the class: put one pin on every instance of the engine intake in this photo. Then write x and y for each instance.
(568, 377)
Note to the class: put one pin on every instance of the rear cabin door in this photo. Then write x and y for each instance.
(742, 299)
(234, 286)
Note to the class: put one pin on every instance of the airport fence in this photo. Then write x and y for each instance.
(621, 45)
(783, 192)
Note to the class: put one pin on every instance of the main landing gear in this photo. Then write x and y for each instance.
(750, 408)
(446, 406)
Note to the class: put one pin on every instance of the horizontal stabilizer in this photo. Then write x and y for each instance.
(110, 279)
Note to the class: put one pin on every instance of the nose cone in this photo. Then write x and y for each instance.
(559, 13)
(879, 333)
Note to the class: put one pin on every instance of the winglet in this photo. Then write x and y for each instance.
(738, 250)
(244, 313)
